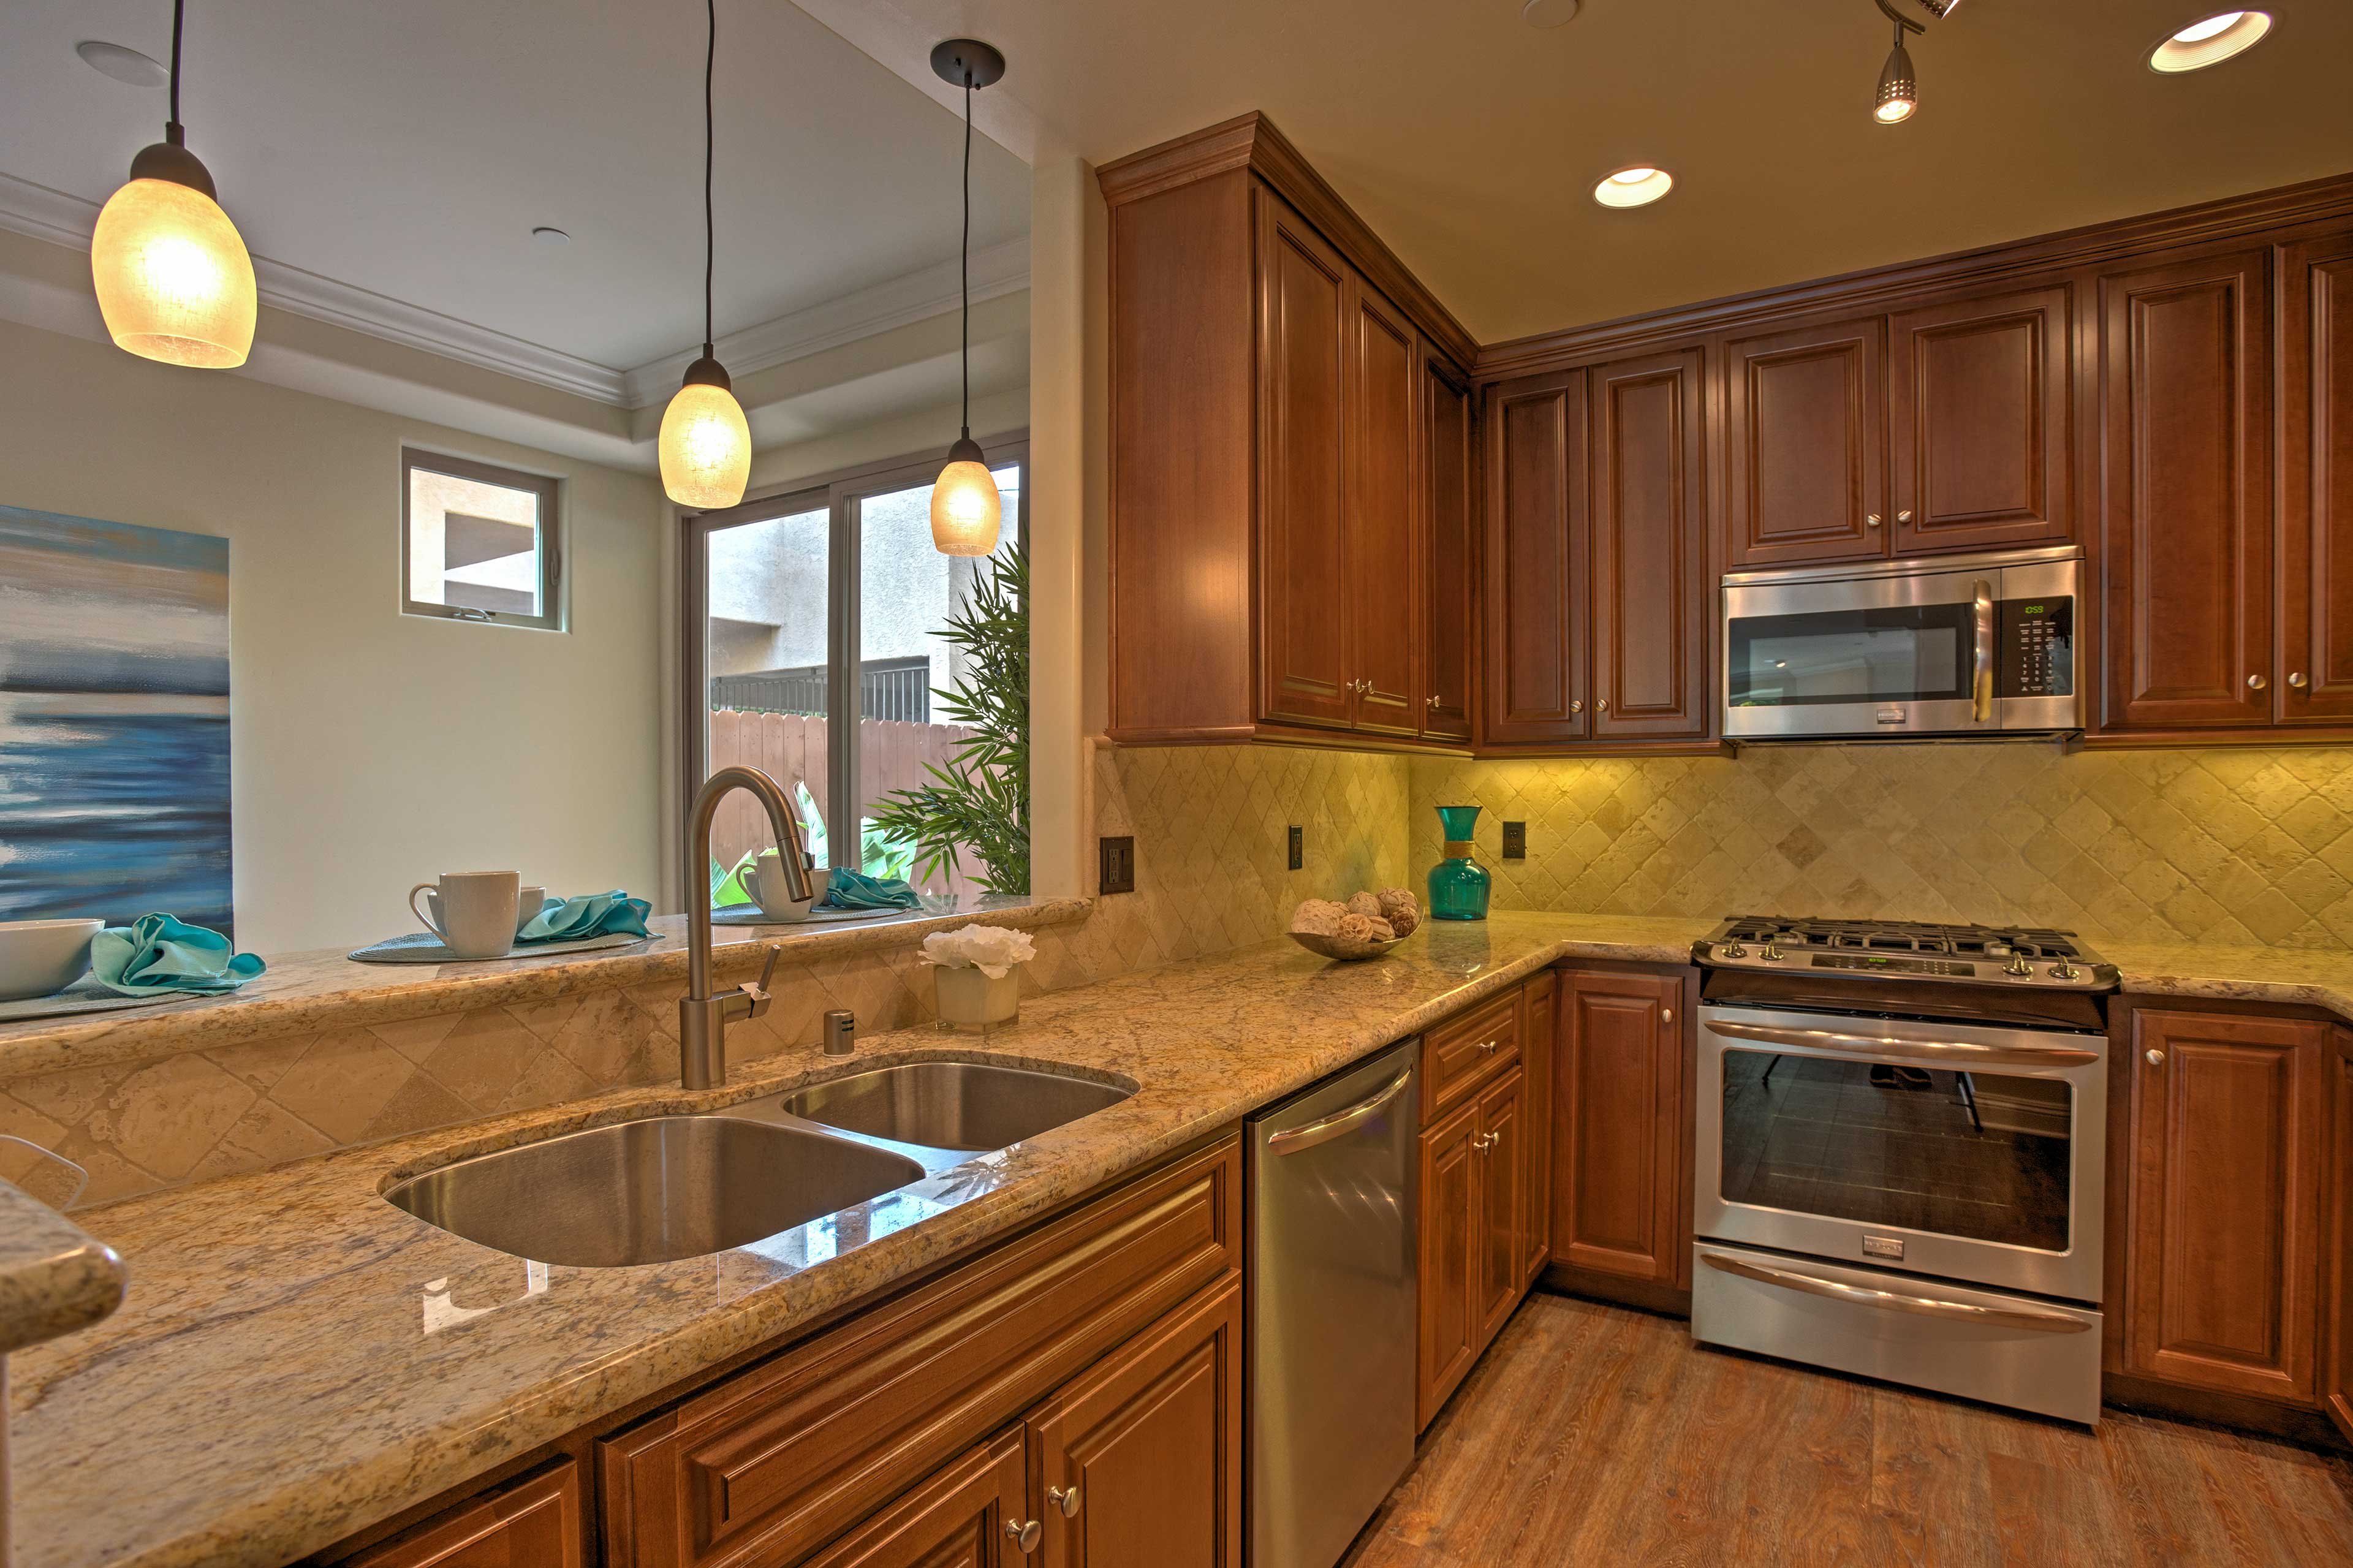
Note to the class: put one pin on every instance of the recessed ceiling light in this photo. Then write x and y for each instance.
(551, 235)
(126, 66)
(1635, 187)
(2209, 41)
(1549, 13)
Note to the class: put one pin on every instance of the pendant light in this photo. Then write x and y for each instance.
(1898, 94)
(706, 442)
(965, 508)
(173, 278)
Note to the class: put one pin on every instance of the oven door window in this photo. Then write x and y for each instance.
(1904, 653)
(1977, 1155)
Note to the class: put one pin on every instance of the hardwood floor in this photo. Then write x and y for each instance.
(1597, 1435)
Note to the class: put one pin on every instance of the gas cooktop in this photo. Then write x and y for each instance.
(1905, 950)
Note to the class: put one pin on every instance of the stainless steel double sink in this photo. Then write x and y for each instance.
(672, 1187)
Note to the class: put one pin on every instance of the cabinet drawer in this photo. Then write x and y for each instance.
(769, 1464)
(531, 1524)
(1463, 1053)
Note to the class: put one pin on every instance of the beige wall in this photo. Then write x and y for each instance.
(370, 750)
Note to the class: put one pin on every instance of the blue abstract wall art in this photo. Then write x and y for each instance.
(114, 753)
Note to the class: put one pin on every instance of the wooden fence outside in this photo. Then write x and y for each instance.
(791, 749)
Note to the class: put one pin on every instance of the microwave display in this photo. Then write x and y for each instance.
(1897, 653)
(2038, 648)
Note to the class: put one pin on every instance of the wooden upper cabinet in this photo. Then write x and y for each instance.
(1306, 326)
(1980, 416)
(1448, 573)
(2223, 1265)
(1382, 515)
(1536, 554)
(2316, 483)
(2186, 508)
(1653, 610)
(1806, 428)
(1618, 1116)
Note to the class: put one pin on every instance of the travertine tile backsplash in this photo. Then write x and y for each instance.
(2240, 846)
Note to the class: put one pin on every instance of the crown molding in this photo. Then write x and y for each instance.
(920, 296)
(41, 213)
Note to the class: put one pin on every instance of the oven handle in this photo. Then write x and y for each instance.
(1981, 682)
(1963, 1054)
(1895, 1302)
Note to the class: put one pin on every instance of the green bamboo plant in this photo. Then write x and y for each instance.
(980, 800)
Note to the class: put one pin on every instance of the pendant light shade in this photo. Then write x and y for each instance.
(1899, 86)
(173, 276)
(966, 512)
(705, 444)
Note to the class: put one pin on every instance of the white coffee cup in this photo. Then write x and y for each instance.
(529, 901)
(771, 892)
(475, 911)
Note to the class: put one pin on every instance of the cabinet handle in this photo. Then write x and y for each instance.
(1902, 517)
(1871, 519)
(1430, 702)
(1666, 1014)
(1576, 707)
(1488, 1046)
(2153, 1056)
(2256, 683)
(2295, 678)
(1601, 705)
(1024, 1532)
(1066, 1499)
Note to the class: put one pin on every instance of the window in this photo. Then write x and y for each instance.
(780, 593)
(477, 542)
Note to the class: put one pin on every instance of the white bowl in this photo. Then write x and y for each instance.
(41, 958)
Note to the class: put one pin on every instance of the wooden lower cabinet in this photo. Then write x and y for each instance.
(2336, 1335)
(1620, 1107)
(1502, 1180)
(1536, 1067)
(2222, 1269)
(958, 1518)
(1449, 1337)
(533, 1522)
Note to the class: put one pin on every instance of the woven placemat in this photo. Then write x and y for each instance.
(755, 917)
(423, 947)
(87, 996)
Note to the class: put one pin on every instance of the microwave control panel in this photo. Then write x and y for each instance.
(2037, 656)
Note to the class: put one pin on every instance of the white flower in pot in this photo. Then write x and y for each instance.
(973, 969)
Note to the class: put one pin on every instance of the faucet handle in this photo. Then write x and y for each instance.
(757, 990)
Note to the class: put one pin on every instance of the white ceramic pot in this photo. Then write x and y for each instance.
(41, 958)
(969, 999)
(775, 897)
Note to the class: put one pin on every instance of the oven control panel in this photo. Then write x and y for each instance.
(1881, 963)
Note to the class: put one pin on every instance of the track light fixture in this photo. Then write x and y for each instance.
(1899, 84)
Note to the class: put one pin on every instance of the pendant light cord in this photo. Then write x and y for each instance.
(172, 131)
(710, 243)
(964, 256)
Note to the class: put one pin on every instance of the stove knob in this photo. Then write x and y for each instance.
(2017, 967)
(2063, 970)
(1772, 954)
(1734, 950)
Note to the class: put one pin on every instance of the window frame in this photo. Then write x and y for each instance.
(837, 495)
(549, 490)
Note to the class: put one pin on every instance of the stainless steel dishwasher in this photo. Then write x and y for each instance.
(1332, 1295)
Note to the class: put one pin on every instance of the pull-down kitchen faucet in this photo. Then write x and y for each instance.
(702, 1018)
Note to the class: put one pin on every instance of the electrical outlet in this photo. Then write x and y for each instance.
(1298, 846)
(1515, 841)
(1117, 874)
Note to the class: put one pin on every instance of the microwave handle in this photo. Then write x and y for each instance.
(1981, 672)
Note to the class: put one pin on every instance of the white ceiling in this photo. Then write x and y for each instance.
(407, 150)
(1471, 141)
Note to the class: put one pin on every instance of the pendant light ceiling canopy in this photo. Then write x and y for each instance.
(705, 447)
(173, 278)
(966, 511)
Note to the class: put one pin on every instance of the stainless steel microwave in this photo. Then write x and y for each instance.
(1965, 645)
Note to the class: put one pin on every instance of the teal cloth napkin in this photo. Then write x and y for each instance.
(157, 952)
(592, 914)
(848, 890)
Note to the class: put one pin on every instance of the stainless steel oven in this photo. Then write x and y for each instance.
(1966, 644)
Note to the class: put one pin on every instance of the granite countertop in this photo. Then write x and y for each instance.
(325, 989)
(298, 1359)
(54, 1277)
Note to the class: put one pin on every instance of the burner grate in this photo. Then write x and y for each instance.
(1903, 936)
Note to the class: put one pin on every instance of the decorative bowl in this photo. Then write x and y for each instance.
(1342, 948)
(41, 958)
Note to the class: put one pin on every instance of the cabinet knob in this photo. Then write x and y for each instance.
(1024, 1532)
(1575, 707)
(1666, 1014)
(2295, 678)
(1871, 520)
(1902, 517)
(1430, 702)
(1488, 1046)
(1601, 705)
(1066, 1499)
(2256, 683)
(2153, 1056)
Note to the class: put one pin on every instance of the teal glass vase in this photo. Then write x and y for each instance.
(1457, 884)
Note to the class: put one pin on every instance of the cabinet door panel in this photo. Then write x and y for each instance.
(1385, 372)
(1536, 1057)
(1448, 572)
(2185, 512)
(1450, 1255)
(1150, 1439)
(1618, 1126)
(2224, 1269)
(1303, 576)
(1807, 429)
(1536, 554)
(1652, 594)
(955, 1519)
(535, 1523)
(2336, 1287)
(1980, 424)
(1503, 1202)
(2316, 443)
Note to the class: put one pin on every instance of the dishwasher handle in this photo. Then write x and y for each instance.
(1340, 1123)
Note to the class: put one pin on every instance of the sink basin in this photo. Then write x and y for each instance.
(650, 1192)
(952, 1105)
